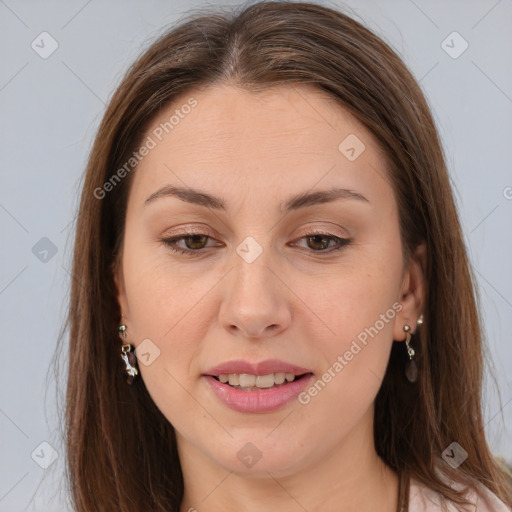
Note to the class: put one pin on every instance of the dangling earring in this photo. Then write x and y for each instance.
(411, 370)
(128, 357)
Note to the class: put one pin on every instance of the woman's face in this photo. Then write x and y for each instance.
(263, 290)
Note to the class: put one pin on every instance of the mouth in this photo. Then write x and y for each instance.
(261, 387)
(249, 382)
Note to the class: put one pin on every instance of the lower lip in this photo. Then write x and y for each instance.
(263, 400)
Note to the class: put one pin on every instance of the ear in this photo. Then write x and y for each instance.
(412, 293)
(118, 275)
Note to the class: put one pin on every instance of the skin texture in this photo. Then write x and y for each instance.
(255, 150)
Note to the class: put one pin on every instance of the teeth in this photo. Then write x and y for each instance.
(244, 380)
(248, 380)
(279, 378)
(265, 381)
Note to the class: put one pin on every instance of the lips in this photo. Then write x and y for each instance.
(257, 387)
(262, 368)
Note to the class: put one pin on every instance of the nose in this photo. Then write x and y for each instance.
(255, 299)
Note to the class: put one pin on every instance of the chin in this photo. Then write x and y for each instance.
(258, 456)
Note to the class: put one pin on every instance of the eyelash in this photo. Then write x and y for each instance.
(170, 242)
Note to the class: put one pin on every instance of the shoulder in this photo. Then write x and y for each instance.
(424, 499)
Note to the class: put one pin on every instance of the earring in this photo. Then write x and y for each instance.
(128, 357)
(411, 370)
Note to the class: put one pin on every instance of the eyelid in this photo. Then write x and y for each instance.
(189, 231)
(203, 229)
(322, 231)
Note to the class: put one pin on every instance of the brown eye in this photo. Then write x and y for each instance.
(320, 242)
(194, 243)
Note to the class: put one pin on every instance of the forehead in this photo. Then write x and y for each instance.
(277, 139)
(226, 116)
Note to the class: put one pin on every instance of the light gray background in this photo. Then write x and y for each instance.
(52, 107)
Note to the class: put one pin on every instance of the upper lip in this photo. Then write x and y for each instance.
(262, 368)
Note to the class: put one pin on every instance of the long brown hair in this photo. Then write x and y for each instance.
(121, 450)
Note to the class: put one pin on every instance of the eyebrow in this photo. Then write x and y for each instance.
(296, 202)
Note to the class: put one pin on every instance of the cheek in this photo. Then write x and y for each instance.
(163, 307)
(360, 309)
(162, 295)
(353, 299)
